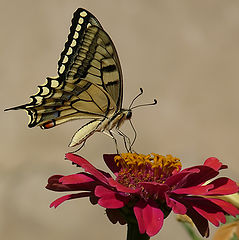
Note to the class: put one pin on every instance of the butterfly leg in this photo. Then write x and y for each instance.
(113, 137)
(126, 138)
(135, 134)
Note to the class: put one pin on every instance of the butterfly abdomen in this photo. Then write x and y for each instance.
(85, 131)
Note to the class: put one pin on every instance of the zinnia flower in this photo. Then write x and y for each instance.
(145, 188)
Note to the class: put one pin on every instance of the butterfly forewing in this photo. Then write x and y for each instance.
(93, 58)
(90, 53)
(90, 79)
(82, 19)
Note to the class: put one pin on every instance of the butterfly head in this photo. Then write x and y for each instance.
(124, 114)
(128, 114)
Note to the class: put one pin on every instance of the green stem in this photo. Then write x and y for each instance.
(188, 227)
(134, 234)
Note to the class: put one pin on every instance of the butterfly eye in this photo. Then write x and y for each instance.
(129, 115)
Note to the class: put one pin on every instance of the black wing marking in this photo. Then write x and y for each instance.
(82, 19)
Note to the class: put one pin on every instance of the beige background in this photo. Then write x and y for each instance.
(184, 53)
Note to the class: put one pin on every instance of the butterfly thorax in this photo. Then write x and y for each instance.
(118, 118)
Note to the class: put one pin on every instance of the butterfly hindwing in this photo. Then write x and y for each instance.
(71, 101)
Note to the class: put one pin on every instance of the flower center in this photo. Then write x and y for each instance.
(137, 168)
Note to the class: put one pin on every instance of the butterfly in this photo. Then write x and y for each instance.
(89, 84)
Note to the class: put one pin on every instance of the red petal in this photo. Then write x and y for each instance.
(214, 217)
(200, 222)
(226, 206)
(76, 179)
(193, 179)
(121, 187)
(111, 164)
(87, 166)
(60, 200)
(110, 199)
(54, 178)
(208, 208)
(174, 179)
(115, 216)
(154, 220)
(214, 163)
(155, 189)
(197, 190)
(55, 183)
(150, 218)
(223, 186)
(177, 207)
(138, 212)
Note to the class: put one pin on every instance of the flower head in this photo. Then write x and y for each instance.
(145, 188)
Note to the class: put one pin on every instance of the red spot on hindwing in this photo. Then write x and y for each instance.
(49, 124)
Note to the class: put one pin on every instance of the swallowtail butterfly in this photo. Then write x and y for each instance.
(88, 86)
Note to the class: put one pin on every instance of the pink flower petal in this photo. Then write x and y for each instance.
(109, 198)
(200, 222)
(226, 206)
(54, 178)
(55, 183)
(193, 179)
(111, 164)
(121, 187)
(213, 217)
(76, 179)
(60, 200)
(155, 189)
(115, 216)
(207, 208)
(150, 218)
(154, 220)
(214, 163)
(197, 190)
(87, 166)
(174, 179)
(176, 206)
(138, 212)
(223, 186)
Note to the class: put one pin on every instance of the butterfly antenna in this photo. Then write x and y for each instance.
(135, 135)
(146, 104)
(141, 92)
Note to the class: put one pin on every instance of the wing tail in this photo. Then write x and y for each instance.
(16, 108)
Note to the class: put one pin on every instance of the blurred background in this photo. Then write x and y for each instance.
(184, 53)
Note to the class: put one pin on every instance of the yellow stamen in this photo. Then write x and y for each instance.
(155, 161)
